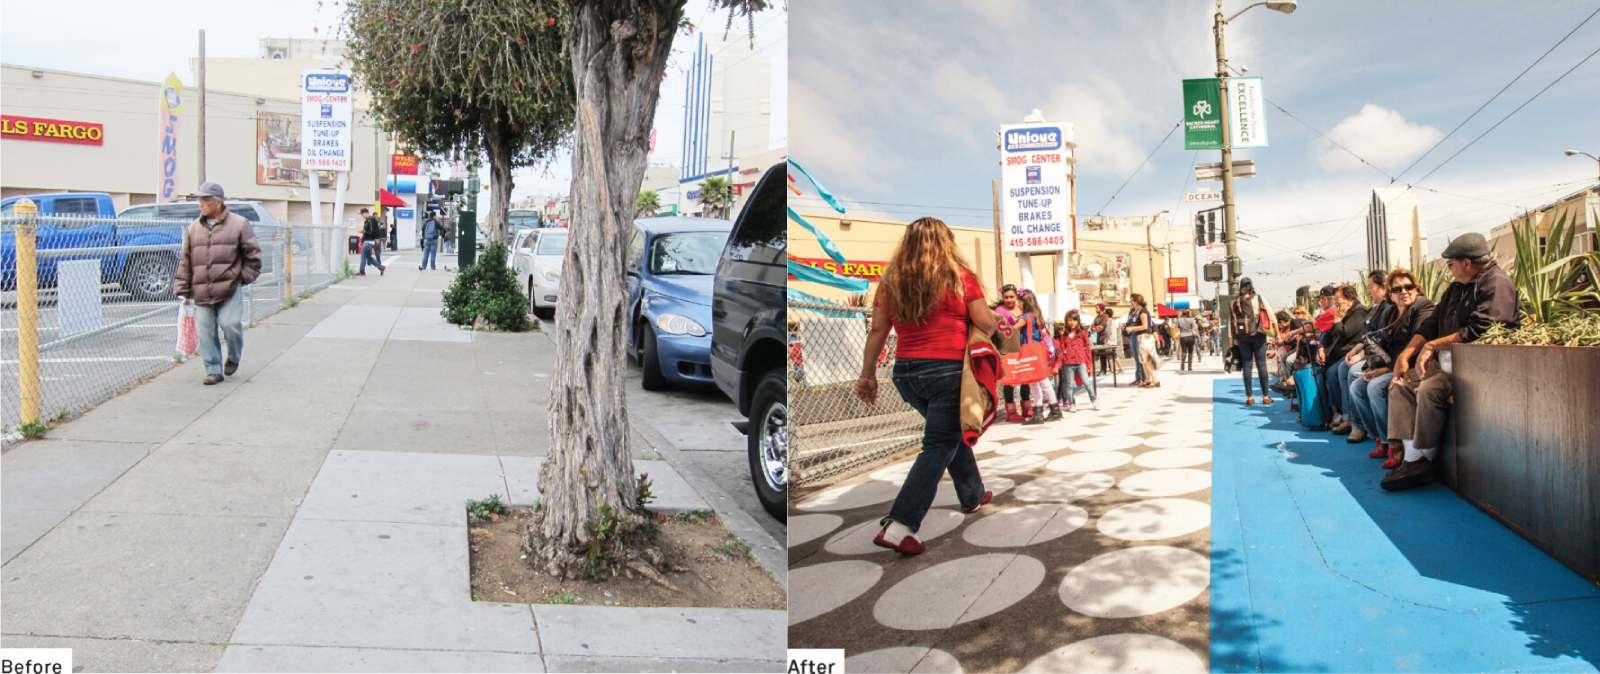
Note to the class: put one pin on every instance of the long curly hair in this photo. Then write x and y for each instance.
(925, 269)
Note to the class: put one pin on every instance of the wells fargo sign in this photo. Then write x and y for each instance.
(52, 130)
(866, 269)
(403, 164)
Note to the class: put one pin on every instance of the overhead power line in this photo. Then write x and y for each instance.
(1136, 171)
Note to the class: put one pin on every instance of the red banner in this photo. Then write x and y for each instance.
(1178, 286)
(52, 130)
(403, 164)
(867, 269)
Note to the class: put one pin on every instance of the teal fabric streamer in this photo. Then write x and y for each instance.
(807, 298)
(823, 191)
(806, 272)
(827, 243)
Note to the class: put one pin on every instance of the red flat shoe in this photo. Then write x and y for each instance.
(1396, 451)
(987, 497)
(909, 546)
(1381, 452)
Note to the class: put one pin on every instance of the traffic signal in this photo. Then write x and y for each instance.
(1211, 227)
(1199, 229)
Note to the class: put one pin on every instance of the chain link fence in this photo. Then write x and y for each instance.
(835, 434)
(105, 313)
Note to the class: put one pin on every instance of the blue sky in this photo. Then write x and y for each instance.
(893, 103)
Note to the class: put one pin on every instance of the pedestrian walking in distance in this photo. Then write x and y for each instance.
(1187, 331)
(220, 253)
(430, 243)
(931, 298)
(1144, 346)
(372, 233)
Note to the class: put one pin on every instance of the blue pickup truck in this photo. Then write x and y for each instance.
(138, 257)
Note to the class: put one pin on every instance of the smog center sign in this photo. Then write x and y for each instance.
(1035, 204)
(325, 115)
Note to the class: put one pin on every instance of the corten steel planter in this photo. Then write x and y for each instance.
(1526, 444)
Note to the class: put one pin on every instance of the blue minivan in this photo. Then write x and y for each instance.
(670, 265)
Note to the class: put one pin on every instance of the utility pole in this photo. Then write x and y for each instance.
(202, 69)
(999, 259)
(1228, 234)
(727, 205)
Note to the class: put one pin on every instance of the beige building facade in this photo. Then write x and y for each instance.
(125, 162)
(1581, 207)
(1108, 266)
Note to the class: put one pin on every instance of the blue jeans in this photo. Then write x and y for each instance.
(1138, 363)
(430, 254)
(1369, 402)
(1070, 373)
(933, 388)
(1253, 351)
(371, 253)
(228, 317)
(1337, 385)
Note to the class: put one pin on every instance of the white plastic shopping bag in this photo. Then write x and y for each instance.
(188, 335)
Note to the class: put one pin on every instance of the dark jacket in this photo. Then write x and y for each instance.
(1395, 337)
(1380, 316)
(1346, 333)
(217, 257)
(372, 230)
(1468, 309)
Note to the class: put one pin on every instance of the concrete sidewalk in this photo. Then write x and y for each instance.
(266, 523)
(1092, 556)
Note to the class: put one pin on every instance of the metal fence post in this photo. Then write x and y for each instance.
(28, 309)
(287, 250)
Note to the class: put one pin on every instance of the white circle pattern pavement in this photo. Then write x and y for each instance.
(1173, 458)
(857, 540)
(968, 588)
(830, 585)
(848, 496)
(1166, 482)
(1181, 427)
(1026, 525)
(912, 659)
(806, 528)
(1107, 443)
(1088, 462)
(946, 496)
(1155, 519)
(1190, 439)
(895, 473)
(1134, 653)
(1133, 582)
(1064, 488)
(1005, 465)
(1044, 445)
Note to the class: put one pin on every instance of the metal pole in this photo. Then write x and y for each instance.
(28, 310)
(1228, 233)
(202, 69)
(1150, 258)
(727, 207)
(999, 259)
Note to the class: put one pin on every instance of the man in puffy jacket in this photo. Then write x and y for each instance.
(219, 254)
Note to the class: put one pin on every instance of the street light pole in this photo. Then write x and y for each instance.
(1150, 253)
(1228, 235)
(1219, 21)
(1574, 153)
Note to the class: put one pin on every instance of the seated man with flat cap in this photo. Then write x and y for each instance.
(1421, 394)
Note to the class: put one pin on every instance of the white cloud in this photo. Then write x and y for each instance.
(1382, 136)
(1113, 133)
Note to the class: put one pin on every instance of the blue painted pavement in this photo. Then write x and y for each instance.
(1316, 569)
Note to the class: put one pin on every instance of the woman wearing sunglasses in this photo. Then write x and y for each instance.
(1369, 394)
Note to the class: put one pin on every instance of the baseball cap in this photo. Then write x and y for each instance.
(208, 189)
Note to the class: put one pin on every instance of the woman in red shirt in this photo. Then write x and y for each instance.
(929, 296)
(1077, 362)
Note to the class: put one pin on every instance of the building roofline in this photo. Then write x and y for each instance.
(129, 80)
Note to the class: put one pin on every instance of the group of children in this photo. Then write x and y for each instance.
(1070, 358)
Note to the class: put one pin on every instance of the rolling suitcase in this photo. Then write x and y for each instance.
(1305, 385)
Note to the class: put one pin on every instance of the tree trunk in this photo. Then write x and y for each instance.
(499, 142)
(619, 51)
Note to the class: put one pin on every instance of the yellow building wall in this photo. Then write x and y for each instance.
(875, 241)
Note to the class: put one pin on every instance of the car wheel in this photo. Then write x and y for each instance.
(149, 277)
(653, 380)
(768, 443)
(548, 314)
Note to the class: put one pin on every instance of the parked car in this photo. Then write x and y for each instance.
(749, 334)
(252, 211)
(88, 220)
(536, 259)
(669, 267)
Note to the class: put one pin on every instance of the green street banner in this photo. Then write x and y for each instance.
(1202, 114)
